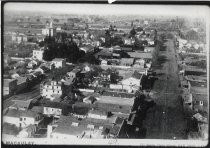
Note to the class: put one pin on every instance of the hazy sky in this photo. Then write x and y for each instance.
(193, 11)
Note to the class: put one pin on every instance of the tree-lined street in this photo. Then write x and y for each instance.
(166, 119)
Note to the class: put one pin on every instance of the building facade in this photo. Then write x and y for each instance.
(38, 54)
(22, 118)
(58, 62)
(9, 86)
(50, 89)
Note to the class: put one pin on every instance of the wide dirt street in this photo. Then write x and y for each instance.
(166, 119)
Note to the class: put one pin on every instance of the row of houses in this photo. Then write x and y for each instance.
(195, 100)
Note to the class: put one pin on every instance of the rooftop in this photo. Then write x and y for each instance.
(58, 59)
(21, 80)
(7, 82)
(198, 90)
(38, 109)
(198, 84)
(118, 94)
(136, 75)
(194, 68)
(75, 71)
(126, 48)
(50, 83)
(21, 113)
(103, 53)
(196, 78)
(55, 105)
(142, 55)
(76, 126)
(199, 97)
(129, 61)
(116, 100)
(97, 112)
(22, 103)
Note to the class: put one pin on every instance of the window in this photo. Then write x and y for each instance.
(24, 119)
(21, 119)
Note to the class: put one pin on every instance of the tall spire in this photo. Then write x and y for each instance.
(51, 24)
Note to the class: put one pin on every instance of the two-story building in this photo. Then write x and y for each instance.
(38, 54)
(51, 89)
(58, 62)
(49, 30)
(53, 109)
(9, 86)
(22, 118)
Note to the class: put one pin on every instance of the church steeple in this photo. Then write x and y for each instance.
(51, 24)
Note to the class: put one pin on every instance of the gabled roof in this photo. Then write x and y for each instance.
(23, 103)
(21, 80)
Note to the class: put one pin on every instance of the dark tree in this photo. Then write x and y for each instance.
(139, 29)
(61, 46)
(132, 32)
(117, 41)
(107, 39)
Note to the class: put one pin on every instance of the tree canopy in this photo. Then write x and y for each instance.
(61, 46)
(133, 32)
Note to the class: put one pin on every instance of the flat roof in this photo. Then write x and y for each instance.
(198, 84)
(143, 55)
(127, 60)
(58, 59)
(116, 100)
(74, 126)
(198, 90)
(196, 78)
(20, 113)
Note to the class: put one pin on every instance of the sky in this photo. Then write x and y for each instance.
(106, 9)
